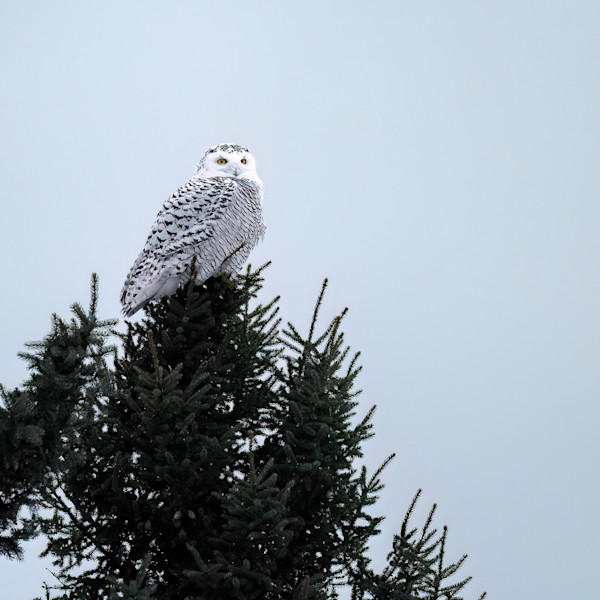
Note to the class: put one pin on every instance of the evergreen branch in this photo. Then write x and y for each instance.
(191, 283)
(409, 512)
(316, 310)
(154, 354)
(373, 482)
(94, 294)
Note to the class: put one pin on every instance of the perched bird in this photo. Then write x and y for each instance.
(215, 217)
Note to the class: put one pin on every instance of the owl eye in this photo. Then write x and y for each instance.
(222, 161)
(244, 161)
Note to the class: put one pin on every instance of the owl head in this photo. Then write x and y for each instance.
(227, 160)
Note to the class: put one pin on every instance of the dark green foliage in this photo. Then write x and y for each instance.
(314, 445)
(214, 458)
(416, 567)
(67, 374)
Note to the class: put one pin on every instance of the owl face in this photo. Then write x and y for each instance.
(227, 160)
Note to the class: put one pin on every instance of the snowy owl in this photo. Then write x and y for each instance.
(216, 217)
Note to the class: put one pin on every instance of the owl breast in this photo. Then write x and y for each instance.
(240, 228)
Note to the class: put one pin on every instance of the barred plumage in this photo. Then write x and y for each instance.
(215, 217)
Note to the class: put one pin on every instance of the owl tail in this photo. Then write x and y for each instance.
(156, 290)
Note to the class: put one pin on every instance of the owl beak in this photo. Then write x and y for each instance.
(236, 171)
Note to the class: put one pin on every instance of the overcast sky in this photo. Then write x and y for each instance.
(437, 160)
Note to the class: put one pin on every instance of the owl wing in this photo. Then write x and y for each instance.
(185, 227)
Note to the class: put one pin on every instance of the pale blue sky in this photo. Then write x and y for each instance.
(438, 161)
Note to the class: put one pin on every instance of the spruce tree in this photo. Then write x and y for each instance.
(210, 454)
